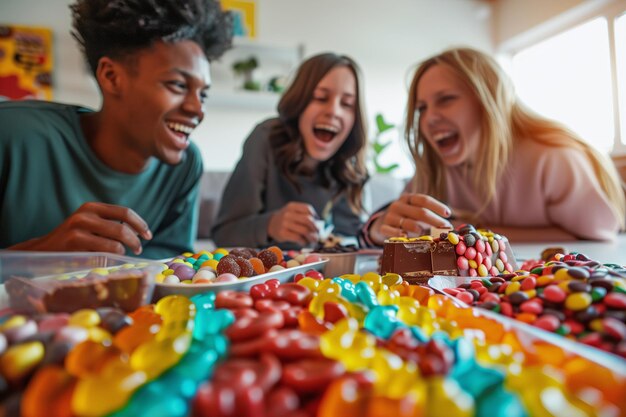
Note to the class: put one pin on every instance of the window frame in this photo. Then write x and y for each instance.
(577, 16)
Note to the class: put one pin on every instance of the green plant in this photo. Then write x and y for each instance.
(378, 146)
(245, 68)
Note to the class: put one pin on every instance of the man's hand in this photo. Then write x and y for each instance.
(95, 227)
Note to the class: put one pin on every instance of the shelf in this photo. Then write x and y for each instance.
(274, 61)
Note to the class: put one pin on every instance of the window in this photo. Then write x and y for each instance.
(620, 49)
(571, 77)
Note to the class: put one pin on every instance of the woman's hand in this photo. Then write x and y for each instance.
(410, 214)
(96, 227)
(295, 222)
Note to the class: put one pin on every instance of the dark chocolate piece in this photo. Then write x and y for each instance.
(123, 289)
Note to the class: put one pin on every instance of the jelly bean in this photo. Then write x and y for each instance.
(294, 344)
(311, 375)
(260, 291)
(267, 304)
(251, 347)
(53, 322)
(19, 332)
(248, 328)
(233, 299)
(72, 334)
(282, 401)
(49, 393)
(114, 320)
(19, 360)
(293, 293)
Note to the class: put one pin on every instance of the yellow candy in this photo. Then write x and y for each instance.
(14, 321)
(221, 251)
(482, 270)
(512, 287)
(85, 318)
(20, 359)
(453, 238)
(98, 334)
(578, 301)
(499, 265)
(101, 395)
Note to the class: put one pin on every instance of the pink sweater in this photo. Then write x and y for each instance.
(543, 186)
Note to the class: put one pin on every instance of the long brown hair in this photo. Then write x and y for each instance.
(504, 120)
(347, 166)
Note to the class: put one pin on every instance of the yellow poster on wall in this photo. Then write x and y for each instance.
(25, 62)
(244, 13)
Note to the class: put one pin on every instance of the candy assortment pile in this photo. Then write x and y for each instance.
(570, 295)
(462, 252)
(221, 266)
(354, 345)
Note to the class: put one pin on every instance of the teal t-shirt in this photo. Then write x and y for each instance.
(47, 171)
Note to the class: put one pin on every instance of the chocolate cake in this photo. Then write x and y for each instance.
(124, 289)
(462, 252)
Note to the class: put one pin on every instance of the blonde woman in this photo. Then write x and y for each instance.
(482, 157)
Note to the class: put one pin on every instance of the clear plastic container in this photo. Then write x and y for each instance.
(41, 282)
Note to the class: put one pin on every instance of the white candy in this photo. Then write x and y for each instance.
(204, 273)
(276, 268)
(171, 279)
(292, 263)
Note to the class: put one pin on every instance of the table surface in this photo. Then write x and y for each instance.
(605, 252)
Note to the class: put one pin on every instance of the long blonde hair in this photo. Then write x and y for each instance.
(504, 120)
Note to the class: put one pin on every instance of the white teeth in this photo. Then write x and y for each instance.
(178, 127)
(329, 128)
(442, 135)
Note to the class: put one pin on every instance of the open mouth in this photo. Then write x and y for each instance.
(180, 130)
(325, 133)
(446, 140)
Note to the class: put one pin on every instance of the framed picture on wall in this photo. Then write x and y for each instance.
(244, 13)
(26, 62)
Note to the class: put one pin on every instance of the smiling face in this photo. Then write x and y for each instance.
(329, 117)
(162, 102)
(449, 115)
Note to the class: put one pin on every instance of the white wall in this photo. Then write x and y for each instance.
(385, 38)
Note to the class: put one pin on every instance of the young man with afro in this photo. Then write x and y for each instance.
(123, 179)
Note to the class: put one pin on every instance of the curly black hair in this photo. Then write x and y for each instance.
(118, 28)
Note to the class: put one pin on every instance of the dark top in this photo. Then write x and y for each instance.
(257, 189)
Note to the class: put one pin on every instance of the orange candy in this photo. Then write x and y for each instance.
(89, 357)
(277, 252)
(257, 265)
(49, 393)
